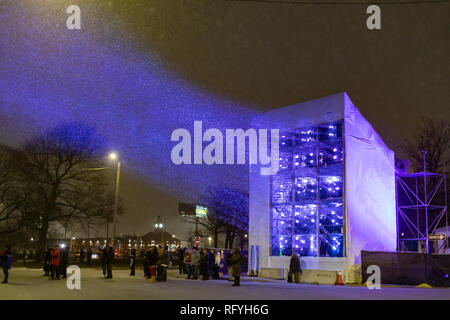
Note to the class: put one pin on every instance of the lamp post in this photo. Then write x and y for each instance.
(427, 250)
(113, 157)
(159, 225)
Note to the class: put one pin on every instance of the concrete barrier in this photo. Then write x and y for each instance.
(272, 273)
(318, 277)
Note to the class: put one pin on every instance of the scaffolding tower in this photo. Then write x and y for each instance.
(419, 211)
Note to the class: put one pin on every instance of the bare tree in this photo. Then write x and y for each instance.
(64, 189)
(227, 215)
(431, 136)
(14, 190)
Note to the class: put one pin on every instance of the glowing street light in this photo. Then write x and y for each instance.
(113, 156)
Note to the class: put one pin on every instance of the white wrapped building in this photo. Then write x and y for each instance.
(334, 193)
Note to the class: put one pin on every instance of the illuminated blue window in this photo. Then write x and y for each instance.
(306, 193)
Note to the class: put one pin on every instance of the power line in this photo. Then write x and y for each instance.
(365, 3)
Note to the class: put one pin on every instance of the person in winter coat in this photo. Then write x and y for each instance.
(211, 263)
(146, 264)
(229, 265)
(103, 259)
(181, 265)
(195, 263)
(204, 261)
(47, 262)
(153, 263)
(109, 259)
(132, 261)
(89, 256)
(294, 268)
(236, 260)
(81, 256)
(187, 263)
(6, 262)
(56, 255)
(164, 262)
(64, 262)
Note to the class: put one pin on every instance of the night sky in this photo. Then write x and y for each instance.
(138, 69)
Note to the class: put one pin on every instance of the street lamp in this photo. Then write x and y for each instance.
(113, 157)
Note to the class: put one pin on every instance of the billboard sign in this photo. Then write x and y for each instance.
(201, 211)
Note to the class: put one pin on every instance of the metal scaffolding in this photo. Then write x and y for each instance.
(419, 211)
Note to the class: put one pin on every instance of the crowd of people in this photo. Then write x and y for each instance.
(205, 263)
(56, 261)
(195, 263)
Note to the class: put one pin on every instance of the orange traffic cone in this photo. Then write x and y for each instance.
(339, 279)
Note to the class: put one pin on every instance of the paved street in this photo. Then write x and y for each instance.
(30, 284)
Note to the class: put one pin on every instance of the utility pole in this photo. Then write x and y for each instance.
(116, 202)
(426, 200)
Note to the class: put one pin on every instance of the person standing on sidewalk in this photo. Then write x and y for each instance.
(181, 265)
(56, 255)
(187, 263)
(195, 263)
(153, 260)
(229, 265)
(103, 260)
(6, 262)
(64, 262)
(164, 263)
(109, 259)
(236, 260)
(47, 262)
(132, 261)
(294, 268)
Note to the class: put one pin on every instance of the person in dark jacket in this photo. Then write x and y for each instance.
(109, 259)
(158, 262)
(146, 264)
(153, 260)
(47, 262)
(294, 268)
(103, 259)
(64, 262)
(132, 261)
(211, 263)
(6, 262)
(204, 260)
(236, 260)
(181, 265)
(89, 256)
(229, 265)
(164, 262)
(81, 256)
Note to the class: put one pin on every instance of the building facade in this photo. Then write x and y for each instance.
(333, 195)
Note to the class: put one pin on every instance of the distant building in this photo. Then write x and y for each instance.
(123, 242)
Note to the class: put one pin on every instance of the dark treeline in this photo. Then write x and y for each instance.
(47, 182)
